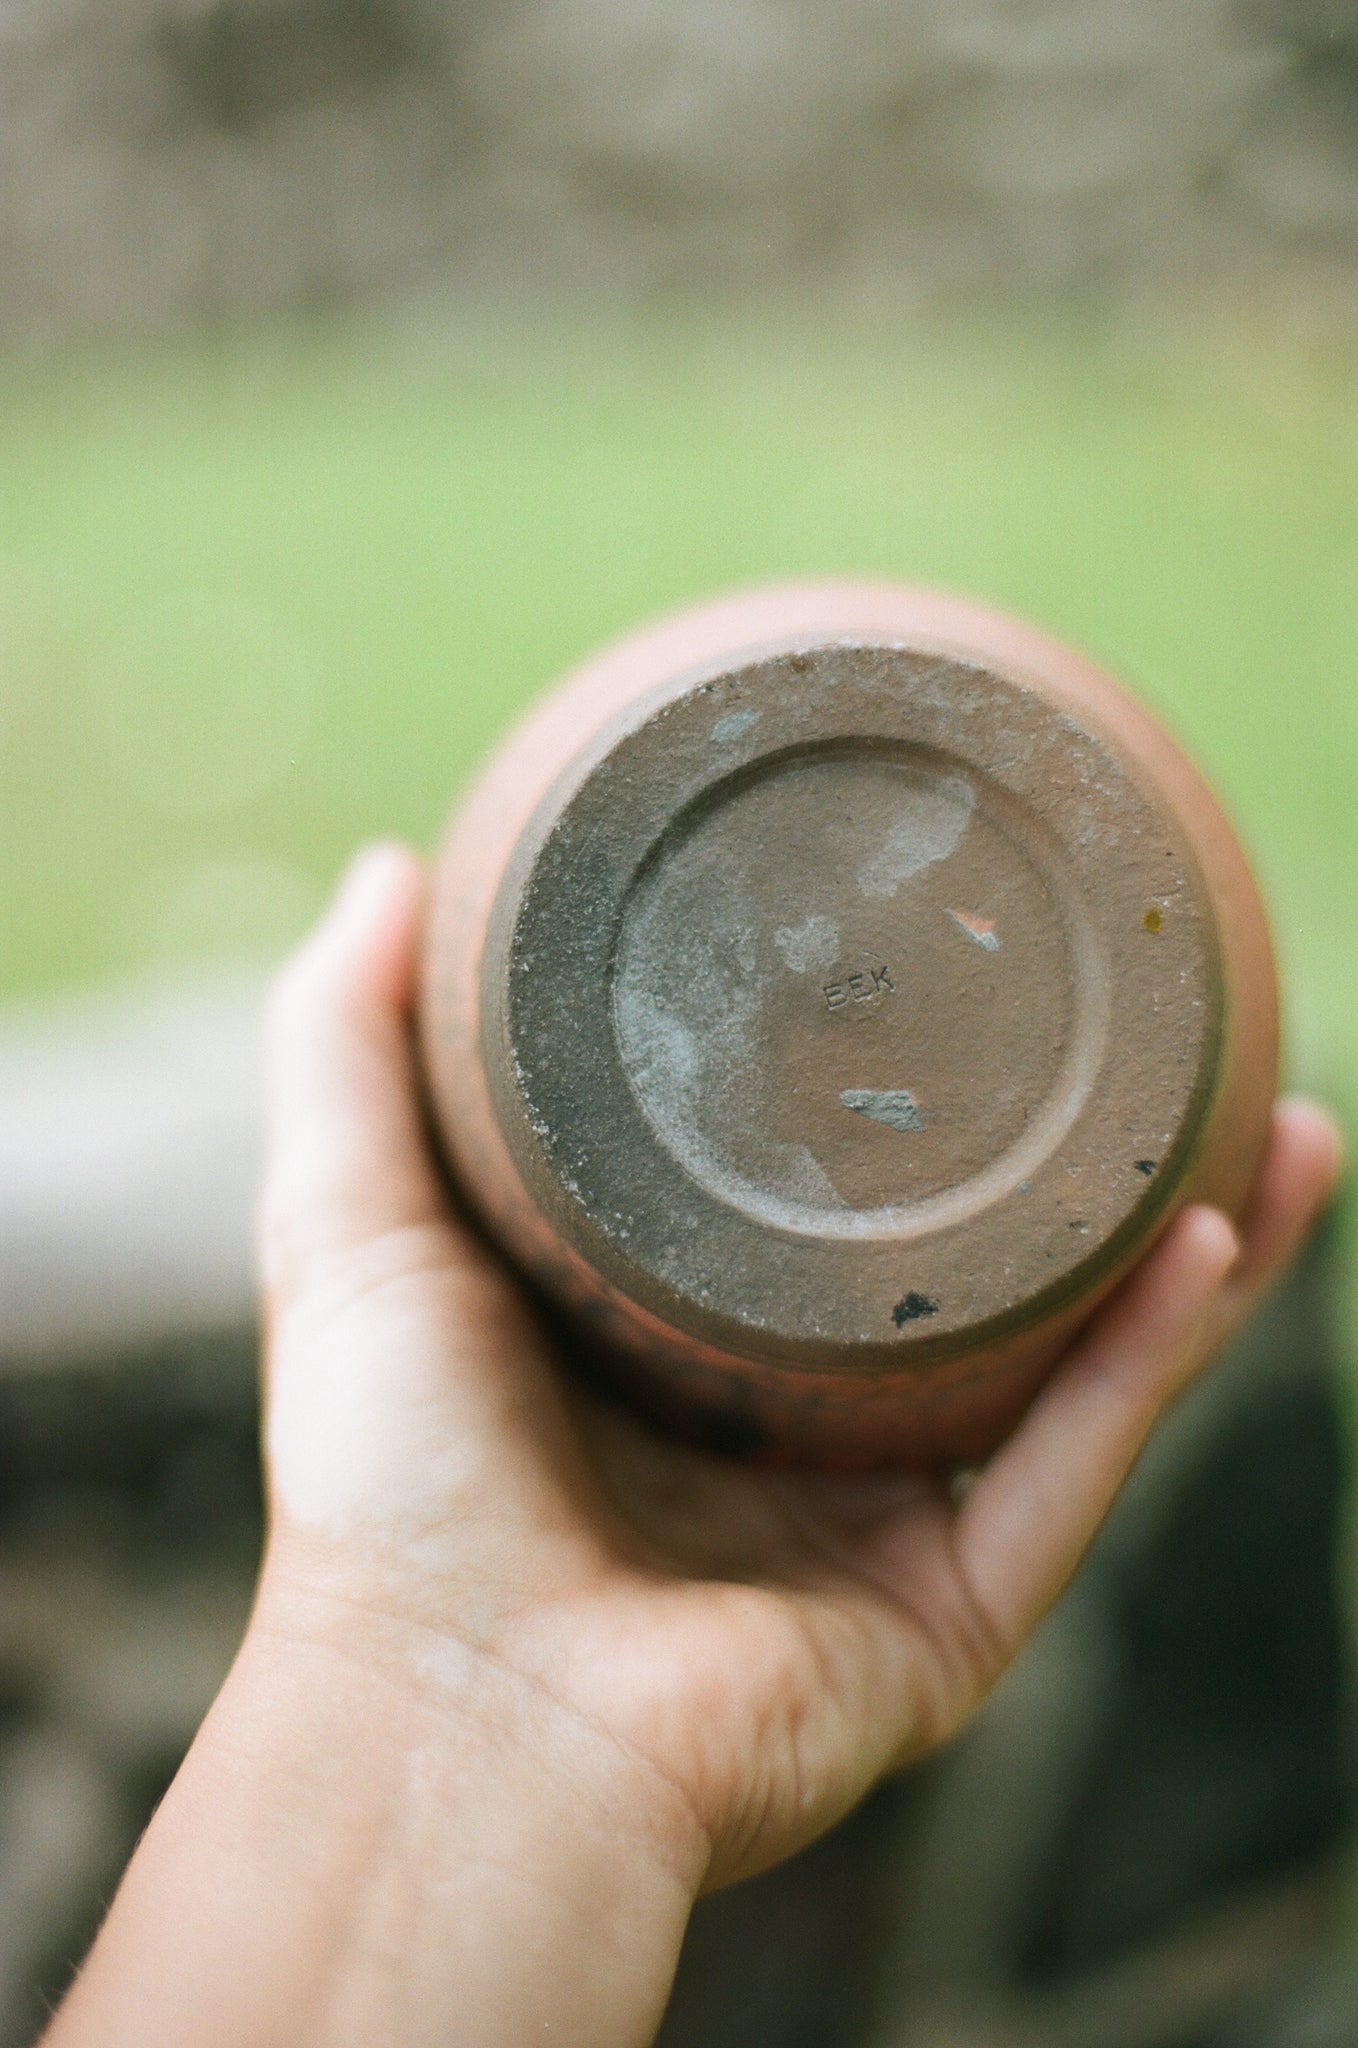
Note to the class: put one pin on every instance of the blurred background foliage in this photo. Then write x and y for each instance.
(264, 594)
(362, 362)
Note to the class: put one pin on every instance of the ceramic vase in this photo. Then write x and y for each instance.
(829, 994)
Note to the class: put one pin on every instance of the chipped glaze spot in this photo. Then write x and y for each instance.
(734, 726)
(930, 827)
(812, 944)
(980, 930)
(895, 1107)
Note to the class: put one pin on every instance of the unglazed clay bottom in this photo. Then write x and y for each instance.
(829, 994)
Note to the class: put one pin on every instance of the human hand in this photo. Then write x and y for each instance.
(557, 1674)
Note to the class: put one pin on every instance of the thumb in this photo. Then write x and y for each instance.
(346, 1157)
(407, 1385)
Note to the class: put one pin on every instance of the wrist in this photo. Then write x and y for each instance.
(423, 1845)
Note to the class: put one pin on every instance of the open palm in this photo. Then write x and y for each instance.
(759, 1645)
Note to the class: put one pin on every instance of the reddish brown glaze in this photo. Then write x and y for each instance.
(726, 1296)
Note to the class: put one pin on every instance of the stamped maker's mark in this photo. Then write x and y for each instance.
(858, 988)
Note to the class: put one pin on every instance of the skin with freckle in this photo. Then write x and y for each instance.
(831, 948)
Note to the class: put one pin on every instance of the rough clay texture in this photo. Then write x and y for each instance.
(785, 1384)
(170, 158)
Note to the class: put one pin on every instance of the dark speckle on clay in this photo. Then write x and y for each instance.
(1146, 1166)
(912, 1308)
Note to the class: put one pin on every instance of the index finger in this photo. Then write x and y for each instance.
(1032, 1513)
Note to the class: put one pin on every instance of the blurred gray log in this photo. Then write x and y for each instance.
(129, 1150)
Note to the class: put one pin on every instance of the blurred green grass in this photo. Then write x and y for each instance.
(263, 595)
